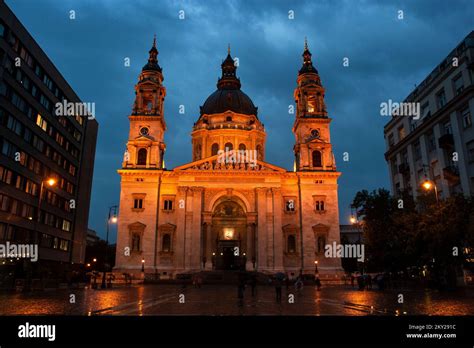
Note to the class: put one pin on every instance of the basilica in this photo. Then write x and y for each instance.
(228, 209)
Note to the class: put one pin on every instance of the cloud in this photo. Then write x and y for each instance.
(387, 58)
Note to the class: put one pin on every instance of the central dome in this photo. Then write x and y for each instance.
(228, 95)
(228, 99)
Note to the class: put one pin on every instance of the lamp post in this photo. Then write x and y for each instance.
(316, 267)
(429, 184)
(27, 262)
(111, 218)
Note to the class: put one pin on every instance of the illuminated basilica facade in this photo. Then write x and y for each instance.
(219, 213)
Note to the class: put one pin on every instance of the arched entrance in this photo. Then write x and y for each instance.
(229, 223)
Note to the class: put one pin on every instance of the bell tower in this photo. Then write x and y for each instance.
(145, 146)
(313, 150)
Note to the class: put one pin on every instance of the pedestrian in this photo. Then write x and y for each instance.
(253, 283)
(299, 284)
(278, 285)
(318, 283)
(241, 288)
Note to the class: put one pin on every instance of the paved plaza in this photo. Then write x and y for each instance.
(222, 300)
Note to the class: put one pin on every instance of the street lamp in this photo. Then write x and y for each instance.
(50, 182)
(111, 218)
(143, 265)
(316, 267)
(429, 184)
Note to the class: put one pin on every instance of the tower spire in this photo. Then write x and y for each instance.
(153, 58)
(229, 78)
(305, 43)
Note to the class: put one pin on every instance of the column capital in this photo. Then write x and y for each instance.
(183, 189)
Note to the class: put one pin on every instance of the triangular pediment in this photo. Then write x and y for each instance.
(137, 226)
(218, 163)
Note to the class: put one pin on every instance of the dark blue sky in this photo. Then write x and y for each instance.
(387, 57)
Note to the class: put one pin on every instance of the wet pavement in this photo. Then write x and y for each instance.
(222, 300)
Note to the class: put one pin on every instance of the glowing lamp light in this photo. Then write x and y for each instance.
(427, 185)
(353, 220)
(51, 182)
(316, 262)
(113, 219)
(94, 260)
(143, 260)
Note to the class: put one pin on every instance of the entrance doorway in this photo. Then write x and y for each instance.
(229, 223)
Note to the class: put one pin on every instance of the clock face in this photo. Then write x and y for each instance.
(144, 131)
(315, 133)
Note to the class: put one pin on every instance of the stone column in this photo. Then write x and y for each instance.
(261, 229)
(278, 233)
(180, 248)
(250, 245)
(195, 230)
(209, 246)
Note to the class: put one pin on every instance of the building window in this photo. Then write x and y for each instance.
(319, 205)
(393, 164)
(320, 244)
(458, 85)
(41, 122)
(447, 128)
(64, 245)
(135, 242)
(417, 150)
(242, 147)
(2, 30)
(168, 204)
(470, 150)
(391, 140)
(290, 205)
(466, 117)
(228, 119)
(138, 203)
(291, 244)
(317, 162)
(440, 99)
(214, 149)
(166, 243)
(66, 225)
(431, 142)
(228, 147)
(142, 154)
(401, 133)
(425, 110)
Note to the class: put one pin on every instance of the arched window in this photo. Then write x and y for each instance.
(228, 147)
(166, 243)
(228, 119)
(317, 162)
(142, 157)
(242, 147)
(214, 149)
(135, 242)
(291, 244)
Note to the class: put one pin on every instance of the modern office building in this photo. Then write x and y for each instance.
(439, 145)
(46, 159)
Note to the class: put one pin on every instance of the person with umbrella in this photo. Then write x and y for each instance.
(279, 278)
